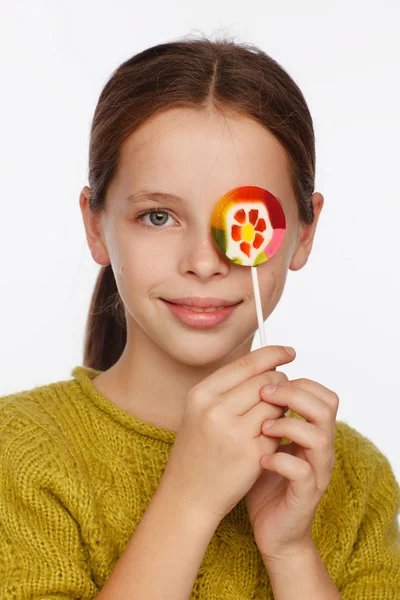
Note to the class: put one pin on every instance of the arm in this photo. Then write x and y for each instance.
(41, 552)
(164, 554)
(308, 580)
(372, 567)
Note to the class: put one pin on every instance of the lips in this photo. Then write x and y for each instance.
(200, 317)
(198, 302)
(201, 310)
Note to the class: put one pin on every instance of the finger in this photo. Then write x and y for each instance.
(297, 471)
(302, 402)
(317, 444)
(327, 395)
(253, 419)
(304, 434)
(244, 368)
(246, 396)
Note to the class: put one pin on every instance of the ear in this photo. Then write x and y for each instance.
(93, 228)
(306, 234)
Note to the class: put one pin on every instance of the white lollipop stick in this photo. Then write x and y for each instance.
(260, 318)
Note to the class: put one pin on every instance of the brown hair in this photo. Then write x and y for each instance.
(231, 77)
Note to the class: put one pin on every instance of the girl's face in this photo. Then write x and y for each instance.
(162, 248)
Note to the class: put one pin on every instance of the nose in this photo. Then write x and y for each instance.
(201, 258)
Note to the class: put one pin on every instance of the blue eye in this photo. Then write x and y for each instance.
(157, 217)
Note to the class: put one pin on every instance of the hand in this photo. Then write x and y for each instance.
(283, 501)
(215, 459)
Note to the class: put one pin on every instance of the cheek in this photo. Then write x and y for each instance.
(272, 279)
(144, 265)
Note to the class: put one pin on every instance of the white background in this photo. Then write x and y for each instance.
(340, 312)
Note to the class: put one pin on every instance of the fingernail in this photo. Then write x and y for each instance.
(269, 389)
(290, 350)
(267, 424)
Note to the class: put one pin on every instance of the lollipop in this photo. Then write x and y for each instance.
(248, 225)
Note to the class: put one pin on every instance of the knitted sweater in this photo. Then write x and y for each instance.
(77, 473)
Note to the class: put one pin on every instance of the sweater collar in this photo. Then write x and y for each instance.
(84, 375)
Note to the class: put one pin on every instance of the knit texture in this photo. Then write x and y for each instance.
(77, 473)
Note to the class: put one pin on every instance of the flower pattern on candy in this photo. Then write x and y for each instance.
(249, 230)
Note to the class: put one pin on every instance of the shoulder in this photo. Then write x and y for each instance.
(33, 425)
(362, 467)
(35, 403)
(351, 446)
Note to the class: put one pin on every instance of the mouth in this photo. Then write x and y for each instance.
(201, 317)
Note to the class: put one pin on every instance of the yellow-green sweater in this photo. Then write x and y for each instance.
(77, 473)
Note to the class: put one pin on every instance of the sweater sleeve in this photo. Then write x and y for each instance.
(41, 555)
(373, 568)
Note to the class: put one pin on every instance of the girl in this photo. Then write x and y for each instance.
(152, 472)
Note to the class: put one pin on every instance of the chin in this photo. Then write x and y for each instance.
(203, 353)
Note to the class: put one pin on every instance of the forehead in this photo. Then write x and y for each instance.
(201, 155)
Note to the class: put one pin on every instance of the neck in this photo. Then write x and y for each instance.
(152, 385)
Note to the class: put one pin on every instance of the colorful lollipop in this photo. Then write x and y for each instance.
(248, 225)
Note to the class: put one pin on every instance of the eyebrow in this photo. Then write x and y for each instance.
(155, 197)
(158, 197)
